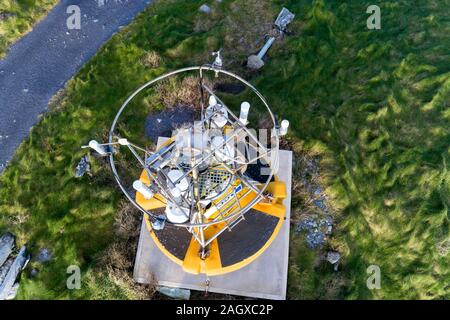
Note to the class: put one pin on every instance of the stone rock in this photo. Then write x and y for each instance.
(34, 272)
(6, 246)
(12, 292)
(175, 293)
(204, 8)
(315, 239)
(316, 229)
(254, 62)
(321, 205)
(82, 167)
(5, 268)
(326, 224)
(333, 257)
(308, 224)
(44, 255)
(8, 286)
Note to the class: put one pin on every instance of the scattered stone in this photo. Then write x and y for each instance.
(254, 62)
(318, 191)
(316, 229)
(333, 257)
(5, 268)
(315, 239)
(443, 248)
(205, 8)
(326, 224)
(321, 205)
(6, 246)
(175, 293)
(8, 287)
(34, 272)
(307, 224)
(82, 167)
(12, 292)
(44, 255)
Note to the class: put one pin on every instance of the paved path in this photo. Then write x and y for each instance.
(40, 63)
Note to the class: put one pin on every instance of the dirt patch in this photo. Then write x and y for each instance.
(151, 59)
(174, 91)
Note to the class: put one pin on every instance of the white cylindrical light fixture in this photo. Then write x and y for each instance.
(140, 187)
(97, 147)
(212, 101)
(245, 108)
(284, 127)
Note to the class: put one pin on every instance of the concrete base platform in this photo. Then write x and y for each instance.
(264, 278)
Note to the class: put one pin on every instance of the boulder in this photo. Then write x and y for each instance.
(8, 287)
(5, 268)
(6, 246)
(333, 257)
(82, 167)
(204, 8)
(44, 255)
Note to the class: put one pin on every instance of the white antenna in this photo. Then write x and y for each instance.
(140, 187)
(245, 107)
(284, 127)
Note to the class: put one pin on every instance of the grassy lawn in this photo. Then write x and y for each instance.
(17, 17)
(373, 105)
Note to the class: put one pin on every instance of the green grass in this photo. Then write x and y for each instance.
(373, 104)
(17, 17)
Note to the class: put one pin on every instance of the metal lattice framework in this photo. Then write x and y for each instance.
(216, 180)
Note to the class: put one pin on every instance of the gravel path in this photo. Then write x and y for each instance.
(40, 63)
